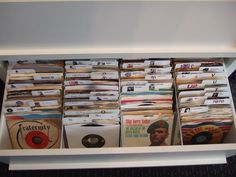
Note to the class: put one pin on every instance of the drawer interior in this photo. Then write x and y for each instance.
(5, 142)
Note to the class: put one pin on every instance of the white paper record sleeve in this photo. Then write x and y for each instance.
(92, 136)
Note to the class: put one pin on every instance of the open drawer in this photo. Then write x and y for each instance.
(78, 30)
(115, 157)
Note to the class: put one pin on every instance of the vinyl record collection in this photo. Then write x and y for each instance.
(146, 102)
(33, 105)
(204, 101)
(91, 106)
(94, 103)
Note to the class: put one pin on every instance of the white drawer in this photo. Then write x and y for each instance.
(73, 30)
(116, 157)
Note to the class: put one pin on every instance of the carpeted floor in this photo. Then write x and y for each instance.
(226, 170)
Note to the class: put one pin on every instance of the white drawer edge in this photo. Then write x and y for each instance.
(118, 150)
(116, 161)
(142, 52)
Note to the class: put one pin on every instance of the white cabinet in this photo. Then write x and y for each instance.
(77, 30)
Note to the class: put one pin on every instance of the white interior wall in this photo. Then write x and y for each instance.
(80, 25)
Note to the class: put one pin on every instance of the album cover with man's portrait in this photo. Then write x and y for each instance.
(140, 130)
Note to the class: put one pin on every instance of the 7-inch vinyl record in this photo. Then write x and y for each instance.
(205, 133)
(92, 135)
(93, 140)
(35, 133)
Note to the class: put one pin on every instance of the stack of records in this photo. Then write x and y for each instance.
(91, 107)
(204, 101)
(33, 106)
(146, 102)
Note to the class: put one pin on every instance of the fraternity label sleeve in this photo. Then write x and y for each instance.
(35, 133)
